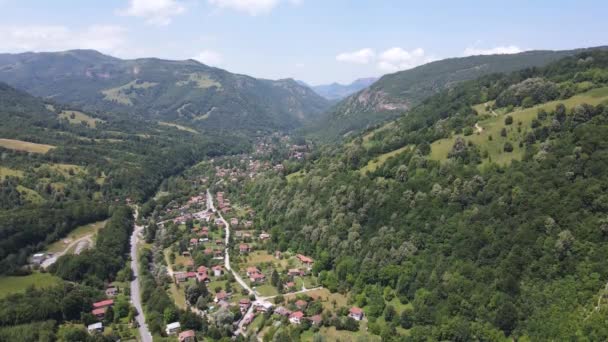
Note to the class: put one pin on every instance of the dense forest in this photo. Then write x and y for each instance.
(482, 250)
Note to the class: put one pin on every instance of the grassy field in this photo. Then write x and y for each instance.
(201, 81)
(77, 233)
(6, 172)
(178, 295)
(63, 169)
(266, 290)
(375, 163)
(79, 117)
(493, 125)
(21, 145)
(331, 334)
(327, 298)
(120, 95)
(30, 195)
(367, 137)
(180, 127)
(10, 285)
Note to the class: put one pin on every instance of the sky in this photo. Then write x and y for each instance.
(316, 41)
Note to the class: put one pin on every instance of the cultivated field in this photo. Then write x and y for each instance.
(26, 146)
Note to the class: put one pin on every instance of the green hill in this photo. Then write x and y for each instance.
(396, 93)
(185, 92)
(487, 239)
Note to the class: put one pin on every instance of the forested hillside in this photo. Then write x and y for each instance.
(394, 94)
(504, 236)
(61, 167)
(186, 92)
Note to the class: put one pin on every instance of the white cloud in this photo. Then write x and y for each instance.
(396, 58)
(363, 56)
(156, 12)
(252, 7)
(105, 38)
(499, 50)
(300, 65)
(209, 57)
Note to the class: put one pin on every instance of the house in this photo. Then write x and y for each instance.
(201, 269)
(356, 313)
(218, 270)
(219, 242)
(283, 311)
(103, 304)
(294, 272)
(316, 320)
(301, 304)
(257, 278)
(278, 254)
(305, 260)
(173, 328)
(296, 317)
(248, 319)
(234, 221)
(264, 236)
(187, 336)
(208, 251)
(263, 306)
(95, 327)
(248, 224)
(290, 285)
(218, 254)
(244, 304)
(252, 270)
(222, 295)
(191, 275)
(202, 277)
(180, 277)
(100, 313)
(193, 242)
(244, 248)
(111, 291)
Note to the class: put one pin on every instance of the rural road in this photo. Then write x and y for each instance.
(144, 332)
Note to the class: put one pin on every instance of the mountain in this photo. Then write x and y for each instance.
(396, 93)
(337, 91)
(478, 216)
(175, 91)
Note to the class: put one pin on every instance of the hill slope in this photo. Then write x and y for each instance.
(396, 93)
(180, 91)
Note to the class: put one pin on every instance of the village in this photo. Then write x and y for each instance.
(252, 285)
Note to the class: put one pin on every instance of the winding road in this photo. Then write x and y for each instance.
(144, 332)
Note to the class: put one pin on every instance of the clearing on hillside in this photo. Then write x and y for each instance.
(6, 172)
(75, 117)
(125, 94)
(378, 161)
(180, 127)
(13, 284)
(20, 145)
(201, 80)
(521, 118)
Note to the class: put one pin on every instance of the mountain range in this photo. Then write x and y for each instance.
(337, 91)
(185, 92)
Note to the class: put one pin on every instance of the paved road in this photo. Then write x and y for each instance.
(144, 332)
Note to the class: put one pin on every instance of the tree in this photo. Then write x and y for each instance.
(389, 313)
(508, 147)
(508, 120)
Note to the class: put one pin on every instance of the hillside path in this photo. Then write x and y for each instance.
(144, 332)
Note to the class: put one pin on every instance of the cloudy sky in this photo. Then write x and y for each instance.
(317, 41)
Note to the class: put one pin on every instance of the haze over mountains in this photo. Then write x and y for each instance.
(337, 91)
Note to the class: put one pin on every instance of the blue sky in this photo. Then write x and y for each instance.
(317, 41)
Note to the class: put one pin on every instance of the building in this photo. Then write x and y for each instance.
(282, 311)
(252, 270)
(234, 221)
(296, 317)
(264, 236)
(301, 304)
(111, 291)
(38, 258)
(103, 304)
(222, 295)
(305, 260)
(293, 272)
(316, 320)
(173, 328)
(218, 270)
(187, 336)
(257, 278)
(99, 313)
(244, 248)
(263, 306)
(95, 327)
(244, 304)
(180, 277)
(356, 313)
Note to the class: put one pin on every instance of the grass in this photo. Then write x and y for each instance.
(178, 295)
(11, 284)
(30, 195)
(266, 290)
(6, 172)
(493, 125)
(367, 137)
(180, 127)
(120, 95)
(79, 117)
(377, 162)
(20, 145)
(296, 176)
(327, 298)
(332, 334)
(201, 80)
(64, 169)
(76, 234)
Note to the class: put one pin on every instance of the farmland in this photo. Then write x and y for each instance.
(20, 145)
